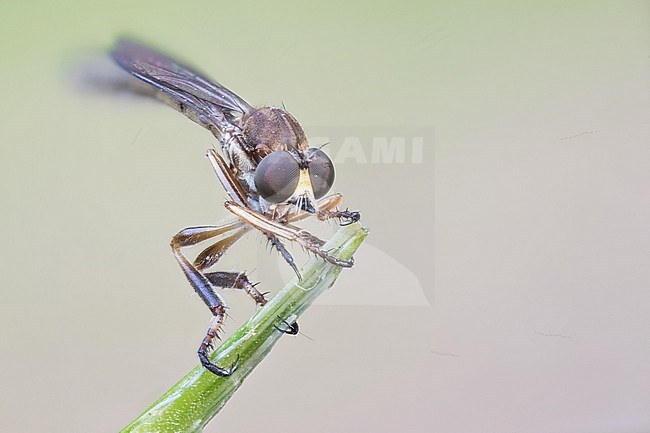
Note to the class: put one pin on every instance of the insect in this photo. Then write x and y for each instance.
(271, 176)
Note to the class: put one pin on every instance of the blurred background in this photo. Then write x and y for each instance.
(498, 152)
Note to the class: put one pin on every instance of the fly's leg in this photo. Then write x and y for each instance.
(234, 280)
(208, 257)
(291, 328)
(286, 231)
(278, 245)
(240, 281)
(211, 255)
(345, 217)
(227, 178)
(324, 205)
(227, 280)
(206, 292)
(204, 285)
(327, 209)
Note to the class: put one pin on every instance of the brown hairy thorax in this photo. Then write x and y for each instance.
(269, 128)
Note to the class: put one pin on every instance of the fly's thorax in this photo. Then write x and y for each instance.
(267, 129)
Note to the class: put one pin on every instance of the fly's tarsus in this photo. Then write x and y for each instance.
(291, 328)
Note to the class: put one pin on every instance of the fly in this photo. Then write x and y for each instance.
(272, 176)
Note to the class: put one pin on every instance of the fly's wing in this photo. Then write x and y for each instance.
(211, 105)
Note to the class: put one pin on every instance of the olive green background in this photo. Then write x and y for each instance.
(503, 287)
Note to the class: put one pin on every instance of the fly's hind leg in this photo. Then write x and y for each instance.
(204, 284)
(227, 280)
(234, 280)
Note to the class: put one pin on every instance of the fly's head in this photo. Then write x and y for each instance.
(295, 177)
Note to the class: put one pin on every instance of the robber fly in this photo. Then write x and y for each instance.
(271, 175)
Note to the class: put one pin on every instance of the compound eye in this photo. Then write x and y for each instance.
(276, 176)
(321, 172)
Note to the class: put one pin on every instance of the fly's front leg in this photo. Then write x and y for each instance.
(286, 231)
(227, 280)
(204, 285)
(323, 205)
(227, 178)
(345, 217)
(327, 209)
